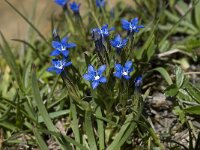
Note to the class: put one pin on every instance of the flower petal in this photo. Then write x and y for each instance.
(55, 53)
(68, 64)
(65, 53)
(128, 65)
(51, 69)
(101, 69)
(88, 77)
(103, 79)
(58, 71)
(70, 45)
(118, 74)
(118, 67)
(95, 84)
(64, 40)
(134, 21)
(126, 77)
(91, 69)
(56, 44)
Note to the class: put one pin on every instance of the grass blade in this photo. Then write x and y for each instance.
(89, 130)
(39, 139)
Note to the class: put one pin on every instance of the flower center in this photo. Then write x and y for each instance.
(63, 48)
(125, 73)
(59, 65)
(132, 27)
(96, 77)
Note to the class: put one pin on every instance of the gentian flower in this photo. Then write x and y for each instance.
(123, 71)
(59, 65)
(75, 7)
(61, 47)
(131, 26)
(138, 81)
(61, 2)
(104, 31)
(100, 3)
(95, 76)
(118, 42)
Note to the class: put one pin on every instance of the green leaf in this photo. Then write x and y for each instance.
(179, 76)
(193, 91)
(42, 109)
(39, 140)
(89, 130)
(193, 110)
(101, 130)
(10, 59)
(171, 90)
(163, 72)
(197, 14)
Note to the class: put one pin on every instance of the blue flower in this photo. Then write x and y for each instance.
(104, 31)
(138, 81)
(61, 47)
(95, 76)
(75, 7)
(131, 26)
(123, 71)
(100, 3)
(118, 42)
(59, 65)
(61, 2)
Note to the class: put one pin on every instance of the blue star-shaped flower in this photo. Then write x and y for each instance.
(100, 3)
(61, 47)
(131, 26)
(118, 42)
(123, 71)
(61, 2)
(138, 81)
(104, 31)
(75, 7)
(59, 65)
(95, 76)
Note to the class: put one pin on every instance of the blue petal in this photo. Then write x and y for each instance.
(113, 43)
(118, 38)
(95, 84)
(134, 21)
(55, 61)
(128, 65)
(64, 40)
(56, 44)
(55, 53)
(124, 42)
(111, 29)
(70, 45)
(91, 69)
(118, 74)
(104, 27)
(118, 67)
(58, 71)
(103, 79)
(61, 2)
(127, 77)
(68, 64)
(51, 69)
(101, 69)
(125, 24)
(140, 26)
(65, 53)
(88, 77)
